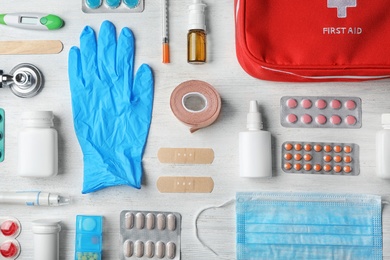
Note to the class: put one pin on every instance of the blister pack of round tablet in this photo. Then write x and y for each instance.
(320, 112)
(112, 6)
(10, 229)
(320, 158)
(150, 235)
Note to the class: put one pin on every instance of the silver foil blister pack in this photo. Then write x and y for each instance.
(320, 112)
(112, 6)
(150, 235)
(320, 158)
(9, 230)
(2, 134)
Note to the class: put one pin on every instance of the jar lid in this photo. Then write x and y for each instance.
(38, 118)
(46, 226)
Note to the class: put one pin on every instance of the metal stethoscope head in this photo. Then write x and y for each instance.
(25, 80)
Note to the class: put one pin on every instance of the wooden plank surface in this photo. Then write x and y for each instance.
(216, 227)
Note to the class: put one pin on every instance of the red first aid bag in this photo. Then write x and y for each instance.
(313, 40)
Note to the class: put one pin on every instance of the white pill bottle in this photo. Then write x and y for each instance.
(38, 145)
(46, 239)
(383, 149)
(255, 149)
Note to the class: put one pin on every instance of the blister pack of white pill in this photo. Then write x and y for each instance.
(150, 235)
(112, 6)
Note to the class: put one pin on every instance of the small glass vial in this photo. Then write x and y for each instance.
(383, 149)
(38, 145)
(255, 149)
(196, 37)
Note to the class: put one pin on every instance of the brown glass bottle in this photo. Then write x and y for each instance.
(196, 37)
(196, 48)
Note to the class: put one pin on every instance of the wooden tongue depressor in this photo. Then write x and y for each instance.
(31, 47)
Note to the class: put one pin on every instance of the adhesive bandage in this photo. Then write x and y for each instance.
(188, 184)
(186, 155)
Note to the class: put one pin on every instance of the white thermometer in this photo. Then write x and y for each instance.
(34, 21)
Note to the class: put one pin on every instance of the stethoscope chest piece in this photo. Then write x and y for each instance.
(27, 80)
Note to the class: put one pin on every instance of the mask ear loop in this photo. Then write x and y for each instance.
(200, 213)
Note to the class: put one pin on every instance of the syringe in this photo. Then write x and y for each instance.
(165, 35)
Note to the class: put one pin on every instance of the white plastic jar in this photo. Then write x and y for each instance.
(38, 145)
(46, 239)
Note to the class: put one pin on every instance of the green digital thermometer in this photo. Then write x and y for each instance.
(34, 21)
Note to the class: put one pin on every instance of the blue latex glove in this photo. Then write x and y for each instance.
(112, 110)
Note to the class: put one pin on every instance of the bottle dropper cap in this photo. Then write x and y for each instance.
(52, 199)
(197, 18)
(254, 118)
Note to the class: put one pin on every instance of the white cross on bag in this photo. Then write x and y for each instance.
(341, 6)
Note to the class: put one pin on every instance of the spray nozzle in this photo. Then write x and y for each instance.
(254, 119)
(197, 17)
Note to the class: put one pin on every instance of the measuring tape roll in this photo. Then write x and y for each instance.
(196, 104)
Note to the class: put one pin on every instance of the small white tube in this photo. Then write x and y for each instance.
(33, 198)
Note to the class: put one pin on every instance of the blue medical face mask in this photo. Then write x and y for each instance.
(308, 226)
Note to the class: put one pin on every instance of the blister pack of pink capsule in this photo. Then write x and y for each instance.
(10, 229)
(320, 112)
(150, 235)
(320, 158)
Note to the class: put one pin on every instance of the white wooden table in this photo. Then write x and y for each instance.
(216, 227)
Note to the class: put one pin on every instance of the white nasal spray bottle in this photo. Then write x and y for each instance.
(383, 149)
(255, 146)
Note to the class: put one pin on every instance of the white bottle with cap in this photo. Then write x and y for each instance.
(38, 145)
(255, 149)
(383, 149)
(46, 239)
